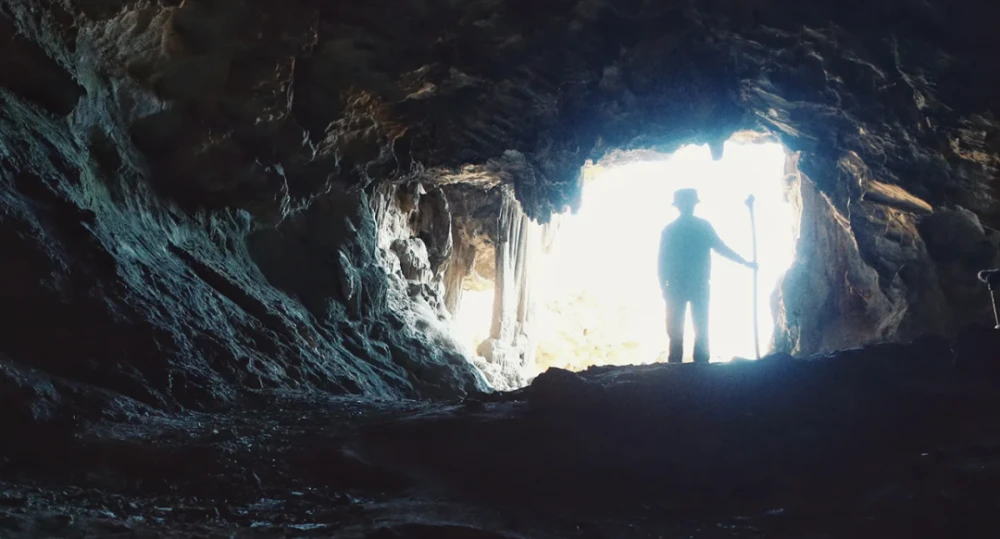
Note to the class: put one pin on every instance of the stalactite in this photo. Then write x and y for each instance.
(457, 268)
(520, 239)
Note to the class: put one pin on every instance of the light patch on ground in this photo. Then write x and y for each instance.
(472, 322)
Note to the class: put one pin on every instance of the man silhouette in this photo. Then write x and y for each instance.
(685, 266)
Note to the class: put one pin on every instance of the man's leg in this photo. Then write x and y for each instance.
(699, 316)
(675, 326)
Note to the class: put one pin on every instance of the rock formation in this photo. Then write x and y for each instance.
(205, 196)
(267, 211)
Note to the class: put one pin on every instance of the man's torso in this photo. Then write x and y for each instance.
(687, 253)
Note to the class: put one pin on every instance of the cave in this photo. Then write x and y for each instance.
(239, 235)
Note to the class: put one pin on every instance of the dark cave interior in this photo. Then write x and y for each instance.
(235, 233)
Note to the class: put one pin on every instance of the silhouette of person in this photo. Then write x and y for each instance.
(685, 265)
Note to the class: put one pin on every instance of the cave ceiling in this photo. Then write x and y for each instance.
(253, 101)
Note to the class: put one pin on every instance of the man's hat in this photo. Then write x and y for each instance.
(685, 196)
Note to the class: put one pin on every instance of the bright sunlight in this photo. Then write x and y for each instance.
(599, 300)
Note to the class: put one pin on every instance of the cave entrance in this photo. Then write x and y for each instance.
(600, 302)
(583, 290)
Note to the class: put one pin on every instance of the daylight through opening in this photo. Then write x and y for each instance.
(598, 300)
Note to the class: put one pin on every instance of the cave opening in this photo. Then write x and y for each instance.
(595, 296)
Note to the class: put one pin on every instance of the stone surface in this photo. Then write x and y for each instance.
(195, 193)
(883, 441)
(245, 207)
(131, 269)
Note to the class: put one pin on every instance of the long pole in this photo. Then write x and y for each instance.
(756, 271)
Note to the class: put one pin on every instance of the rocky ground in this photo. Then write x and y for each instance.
(888, 441)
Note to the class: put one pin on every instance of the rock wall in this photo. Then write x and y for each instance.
(889, 267)
(829, 299)
(150, 264)
(193, 192)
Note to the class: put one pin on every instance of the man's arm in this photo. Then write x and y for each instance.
(726, 252)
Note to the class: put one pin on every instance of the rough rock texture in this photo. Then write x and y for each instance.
(193, 191)
(829, 298)
(512, 341)
(474, 216)
(258, 204)
(129, 266)
(886, 441)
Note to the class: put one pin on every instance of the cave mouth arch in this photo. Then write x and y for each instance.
(594, 296)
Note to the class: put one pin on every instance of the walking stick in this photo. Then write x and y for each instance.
(756, 271)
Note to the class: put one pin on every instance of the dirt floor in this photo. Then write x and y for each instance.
(890, 441)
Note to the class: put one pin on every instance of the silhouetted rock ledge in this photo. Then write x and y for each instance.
(883, 440)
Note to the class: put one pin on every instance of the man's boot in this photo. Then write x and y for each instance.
(676, 352)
